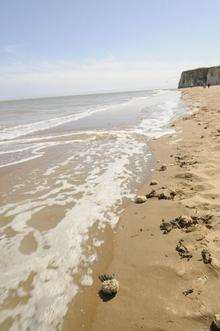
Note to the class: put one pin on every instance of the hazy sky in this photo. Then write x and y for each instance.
(54, 47)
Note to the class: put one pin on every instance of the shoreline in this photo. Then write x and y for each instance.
(62, 206)
(152, 275)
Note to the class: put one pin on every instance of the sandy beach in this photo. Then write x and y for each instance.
(168, 279)
(164, 252)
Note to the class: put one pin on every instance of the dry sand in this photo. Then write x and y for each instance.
(151, 273)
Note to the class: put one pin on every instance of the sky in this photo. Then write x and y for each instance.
(54, 47)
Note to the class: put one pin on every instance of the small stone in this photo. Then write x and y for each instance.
(183, 251)
(172, 194)
(183, 163)
(151, 194)
(154, 182)
(188, 291)
(206, 256)
(110, 287)
(164, 196)
(202, 136)
(163, 167)
(165, 227)
(216, 321)
(140, 199)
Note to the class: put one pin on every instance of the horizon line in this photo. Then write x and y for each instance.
(83, 94)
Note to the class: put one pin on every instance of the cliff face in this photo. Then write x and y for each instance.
(213, 77)
(200, 77)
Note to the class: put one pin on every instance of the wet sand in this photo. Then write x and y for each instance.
(152, 274)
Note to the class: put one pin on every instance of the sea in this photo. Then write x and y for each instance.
(68, 165)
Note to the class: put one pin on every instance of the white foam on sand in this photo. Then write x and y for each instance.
(86, 280)
(162, 108)
(53, 287)
(33, 151)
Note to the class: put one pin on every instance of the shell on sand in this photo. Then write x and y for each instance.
(110, 286)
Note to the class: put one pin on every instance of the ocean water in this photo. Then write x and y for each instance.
(67, 165)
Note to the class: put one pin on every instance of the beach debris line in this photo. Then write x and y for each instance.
(110, 286)
(161, 194)
(183, 251)
(206, 256)
(181, 222)
(186, 223)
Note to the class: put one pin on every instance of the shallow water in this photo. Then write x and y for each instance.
(66, 165)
